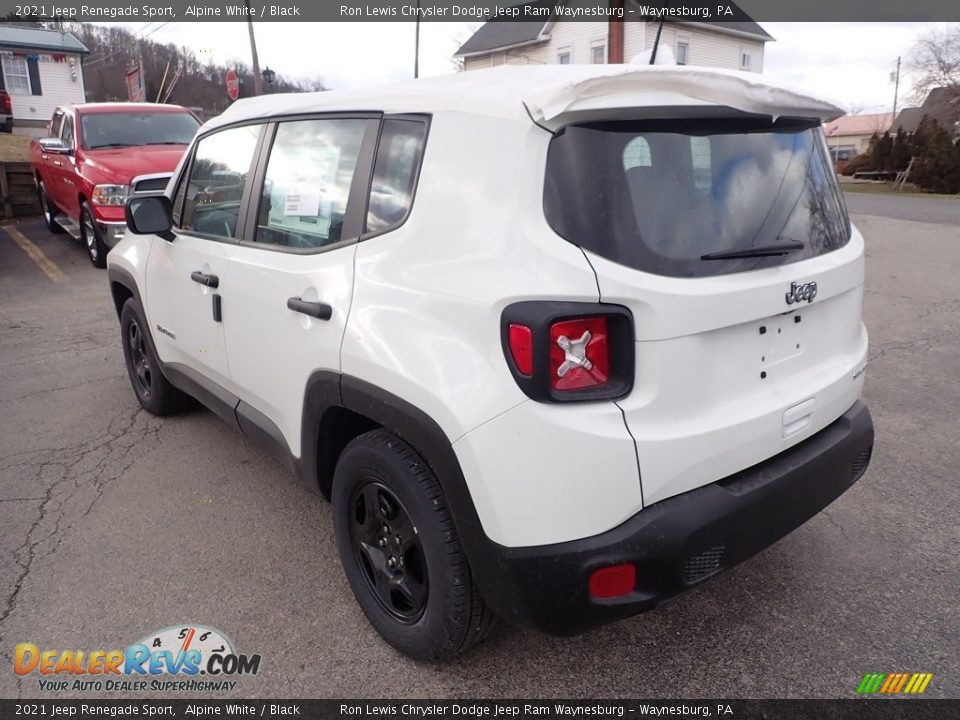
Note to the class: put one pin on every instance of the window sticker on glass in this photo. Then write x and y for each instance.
(303, 197)
(308, 181)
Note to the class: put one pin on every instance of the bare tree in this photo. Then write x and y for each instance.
(935, 61)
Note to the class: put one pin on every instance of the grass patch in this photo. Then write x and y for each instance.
(14, 148)
(886, 188)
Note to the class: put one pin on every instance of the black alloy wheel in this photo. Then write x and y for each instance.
(140, 361)
(388, 550)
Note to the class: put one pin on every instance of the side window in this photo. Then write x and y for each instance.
(395, 173)
(307, 183)
(217, 178)
(66, 134)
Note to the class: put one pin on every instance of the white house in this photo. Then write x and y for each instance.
(41, 70)
(735, 45)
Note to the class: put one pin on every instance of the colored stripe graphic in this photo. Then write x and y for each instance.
(895, 683)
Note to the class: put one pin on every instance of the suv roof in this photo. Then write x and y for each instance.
(546, 91)
(113, 107)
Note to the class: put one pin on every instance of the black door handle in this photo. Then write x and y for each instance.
(313, 309)
(208, 280)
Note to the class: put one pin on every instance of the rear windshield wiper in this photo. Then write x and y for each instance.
(758, 251)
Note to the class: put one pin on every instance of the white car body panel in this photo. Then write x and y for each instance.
(184, 308)
(425, 323)
(273, 350)
(699, 409)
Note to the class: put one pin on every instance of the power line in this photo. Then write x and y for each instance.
(101, 60)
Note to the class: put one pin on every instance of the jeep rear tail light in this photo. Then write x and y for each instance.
(569, 351)
(579, 353)
(521, 347)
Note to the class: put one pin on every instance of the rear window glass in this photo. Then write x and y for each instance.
(695, 198)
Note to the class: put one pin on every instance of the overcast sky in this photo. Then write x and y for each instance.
(850, 62)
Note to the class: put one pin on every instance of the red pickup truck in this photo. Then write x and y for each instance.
(97, 154)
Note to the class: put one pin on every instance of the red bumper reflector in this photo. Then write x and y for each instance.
(613, 581)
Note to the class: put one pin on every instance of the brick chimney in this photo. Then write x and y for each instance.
(615, 35)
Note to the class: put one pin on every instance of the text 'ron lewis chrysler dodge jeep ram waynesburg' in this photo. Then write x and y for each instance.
(558, 342)
(97, 154)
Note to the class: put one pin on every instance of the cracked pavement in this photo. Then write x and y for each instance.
(114, 523)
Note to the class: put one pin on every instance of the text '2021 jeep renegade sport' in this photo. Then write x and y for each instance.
(559, 343)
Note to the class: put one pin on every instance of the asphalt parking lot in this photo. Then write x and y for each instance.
(115, 524)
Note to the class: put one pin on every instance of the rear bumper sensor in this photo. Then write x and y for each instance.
(680, 542)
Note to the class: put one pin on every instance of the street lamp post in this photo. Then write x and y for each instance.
(268, 76)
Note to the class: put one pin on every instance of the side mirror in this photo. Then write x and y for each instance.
(53, 145)
(149, 215)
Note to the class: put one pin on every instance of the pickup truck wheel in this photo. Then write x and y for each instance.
(400, 550)
(154, 392)
(90, 235)
(50, 211)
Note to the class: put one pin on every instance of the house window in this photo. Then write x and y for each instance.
(744, 60)
(16, 75)
(563, 57)
(598, 54)
(700, 158)
(637, 154)
(682, 47)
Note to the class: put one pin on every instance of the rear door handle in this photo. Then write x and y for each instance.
(211, 281)
(318, 310)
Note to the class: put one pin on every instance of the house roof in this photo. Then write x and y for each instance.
(860, 124)
(503, 34)
(35, 38)
(550, 93)
(941, 104)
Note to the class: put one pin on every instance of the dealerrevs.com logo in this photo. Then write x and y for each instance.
(184, 658)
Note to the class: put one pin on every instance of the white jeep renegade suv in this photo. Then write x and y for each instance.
(558, 342)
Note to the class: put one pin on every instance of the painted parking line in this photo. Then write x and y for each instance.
(48, 266)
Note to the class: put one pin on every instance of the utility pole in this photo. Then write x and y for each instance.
(257, 80)
(416, 46)
(896, 88)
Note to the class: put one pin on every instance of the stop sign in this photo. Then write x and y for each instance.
(233, 85)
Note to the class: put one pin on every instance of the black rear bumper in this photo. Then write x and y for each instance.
(680, 542)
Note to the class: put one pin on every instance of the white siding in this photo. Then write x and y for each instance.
(60, 83)
(705, 47)
(708, 48)
(578, 37)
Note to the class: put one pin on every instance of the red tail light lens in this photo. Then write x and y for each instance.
(613, 581)
(5, 104)
(520, 338)
(579, 353)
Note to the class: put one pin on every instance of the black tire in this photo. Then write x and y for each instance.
(91, 239)
(154, 392)
(376, 475)
(49, 209)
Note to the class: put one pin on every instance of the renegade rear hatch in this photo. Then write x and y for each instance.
(728, 240)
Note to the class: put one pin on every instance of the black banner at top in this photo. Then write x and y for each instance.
(479, 10)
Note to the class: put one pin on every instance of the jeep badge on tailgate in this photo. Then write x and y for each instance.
(799, 293)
